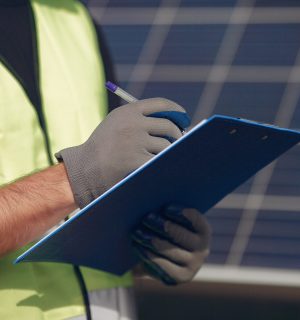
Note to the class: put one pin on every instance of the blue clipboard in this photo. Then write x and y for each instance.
(198, 170)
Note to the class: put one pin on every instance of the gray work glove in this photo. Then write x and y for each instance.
(127, 138)
(172, 244)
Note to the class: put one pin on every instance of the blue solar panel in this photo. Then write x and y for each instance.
(295, 123)
(208, 3)
(277, 261)
(274, 44)
(256, 101)
(277, 3)
(246, 69)
(132, 3)
(276, 228)
(224, 223)
(186, 94)
(191, 45)
(285, 180)
(126, 42)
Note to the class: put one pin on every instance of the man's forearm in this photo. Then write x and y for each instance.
(31, 206)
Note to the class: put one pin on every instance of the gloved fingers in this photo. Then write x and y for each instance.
(155, 145)
(148, 239)
(175, 213)
(191, 219)
(143, 237)
(163, 128)
(153, 105)
(168, 269)
(199, 222)
(173, 253)
(185, 238)
(153, 269)
(170, 250)
(155, 225)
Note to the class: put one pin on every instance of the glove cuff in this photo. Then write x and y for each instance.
(71, 157)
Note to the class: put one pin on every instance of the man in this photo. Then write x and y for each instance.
(51, 99)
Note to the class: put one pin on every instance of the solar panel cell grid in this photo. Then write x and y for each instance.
(126, 42)
(224, 223)
(208, 3)
(272, 44)
(295, 123)
(276, 261)
(256, 101)
(275, 3)
(277, 228)
(133, 3)
(191, 45)
(233, 57)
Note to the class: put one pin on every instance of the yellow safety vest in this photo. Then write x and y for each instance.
(74, 102)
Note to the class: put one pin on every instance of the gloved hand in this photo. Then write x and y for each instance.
(127, 138)
(172, 244)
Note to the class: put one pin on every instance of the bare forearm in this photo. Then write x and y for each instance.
(32, 205)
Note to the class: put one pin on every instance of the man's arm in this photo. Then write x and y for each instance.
(126, 139)
(32, 205)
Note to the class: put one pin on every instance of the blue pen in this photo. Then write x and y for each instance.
(120, 92)
(181, 119)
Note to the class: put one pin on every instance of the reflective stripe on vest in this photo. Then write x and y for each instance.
(74, 102)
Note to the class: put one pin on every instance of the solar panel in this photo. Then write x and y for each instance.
(233, 57)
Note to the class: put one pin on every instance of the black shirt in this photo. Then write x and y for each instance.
(17, 49)
(16, 43)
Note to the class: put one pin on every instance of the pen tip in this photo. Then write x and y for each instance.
(111, 86)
